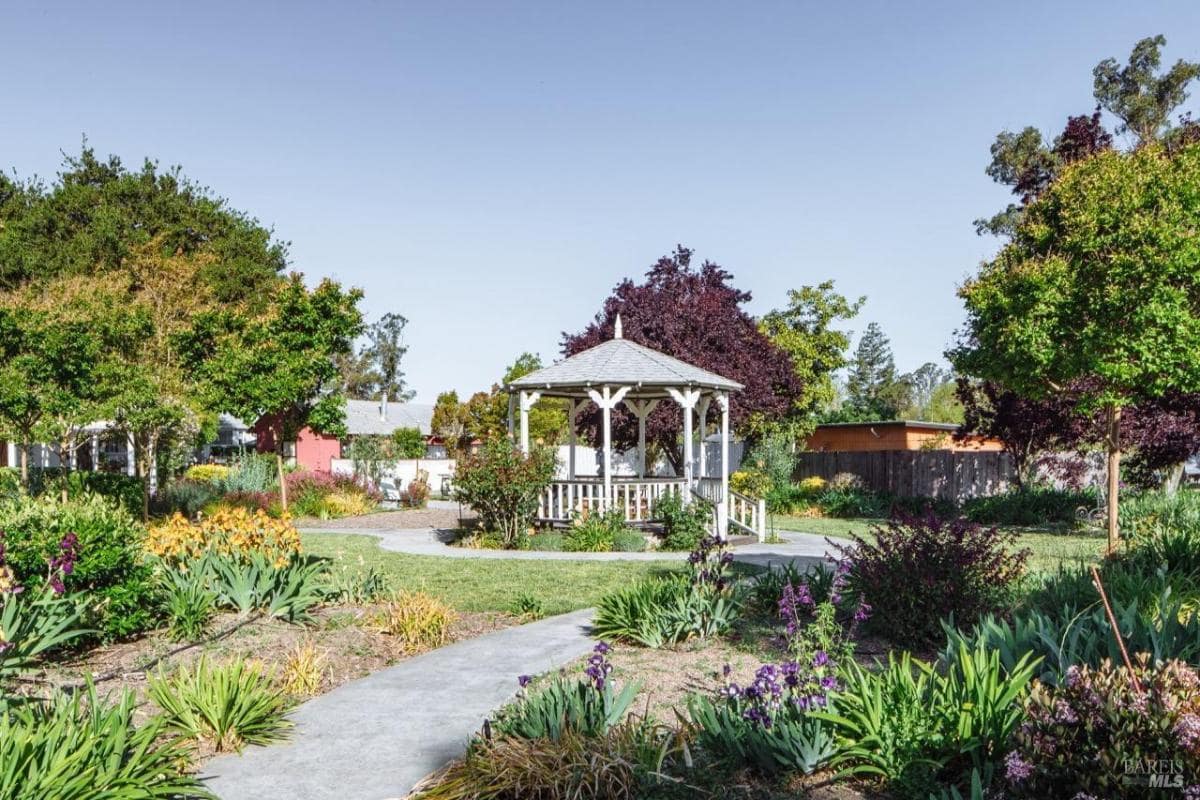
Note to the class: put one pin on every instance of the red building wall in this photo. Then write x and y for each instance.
(313, 451)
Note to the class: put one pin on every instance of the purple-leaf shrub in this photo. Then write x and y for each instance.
(1102, 734)
(917, 570)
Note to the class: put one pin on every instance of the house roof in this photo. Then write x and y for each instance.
(620, 362)
(907, 423)
(367, 418)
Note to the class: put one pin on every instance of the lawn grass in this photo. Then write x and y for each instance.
(1050, 546)
(488, 584)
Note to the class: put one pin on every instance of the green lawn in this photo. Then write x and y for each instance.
(479, 584)
(1051, 547)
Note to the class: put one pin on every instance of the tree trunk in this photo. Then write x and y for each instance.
(1172, 479)
(1114, 474)
(140, 460)
(63, 459)
(24, 448)
(283, 498)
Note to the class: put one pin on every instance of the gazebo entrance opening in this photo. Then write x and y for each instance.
(620, 372)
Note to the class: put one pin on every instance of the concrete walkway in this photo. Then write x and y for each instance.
(375, 738)
(803, 548)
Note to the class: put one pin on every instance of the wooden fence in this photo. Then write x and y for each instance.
(943, 474)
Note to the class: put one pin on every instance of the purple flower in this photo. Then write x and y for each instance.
(524, 680)
(1017, 769)
(1187, 730)
(820, 659)
(726, 670)
(603, 648)
(863, 612)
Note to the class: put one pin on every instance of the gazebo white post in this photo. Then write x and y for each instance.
(641, 409)
(723, 506)
(687, 401)
(573, 409)
(607, 400)
(702, 419)
(527, 401)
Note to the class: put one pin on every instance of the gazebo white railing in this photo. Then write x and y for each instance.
(620, 371)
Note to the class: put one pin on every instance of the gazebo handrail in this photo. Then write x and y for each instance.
(596, 479)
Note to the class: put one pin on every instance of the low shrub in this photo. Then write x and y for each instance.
(420, 621)
(188, 497)
(587, 706)
(108, 543)
(119, 488)
(628, 540)
(416, 494)
(255, 473)
(227, 705)
(208, 473)
(848, 502)
(328, 495)
(266, 502)
(1104, 731)
(750, 482)
(846, 482)
(684, 524)
(594, 532)
(916, 571)
(1036, 505)
(79, 747)
(812, 486)
(504, 486)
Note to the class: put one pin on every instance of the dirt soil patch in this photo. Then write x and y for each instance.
(352, 649)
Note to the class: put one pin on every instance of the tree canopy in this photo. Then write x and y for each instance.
(1098, 290)
(696, 315)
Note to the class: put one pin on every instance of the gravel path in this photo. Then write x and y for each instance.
(375, 738)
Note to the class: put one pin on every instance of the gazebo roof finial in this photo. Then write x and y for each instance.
(617, 327)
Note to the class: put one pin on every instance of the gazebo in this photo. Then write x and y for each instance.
(620, 371)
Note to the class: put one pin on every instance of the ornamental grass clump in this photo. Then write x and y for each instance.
(228, 705)
(420, 621)
(1110, 732)
(918, 570)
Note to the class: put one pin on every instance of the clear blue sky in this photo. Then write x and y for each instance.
(491, 170)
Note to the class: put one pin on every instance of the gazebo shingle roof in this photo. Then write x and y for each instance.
(620, 362)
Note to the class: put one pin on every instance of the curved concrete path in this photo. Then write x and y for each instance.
(375, 738)
(804, 548)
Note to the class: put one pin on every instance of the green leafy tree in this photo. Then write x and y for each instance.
(279, 367)
(1136, 94)
(1097, 292)
(806, 330)
(487, 412)
(450, 422)
(96, 214)
(375, 369)
(410, 442)
(873, 391)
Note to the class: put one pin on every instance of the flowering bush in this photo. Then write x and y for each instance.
(751, 482)
(232, 532)
(812, 486)
(918, 570)
(504, 486)
(846, 482)
(1106, 732)
(207, 473)
(329, 495)
(416, 494)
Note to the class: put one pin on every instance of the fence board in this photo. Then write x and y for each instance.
(943, 474)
